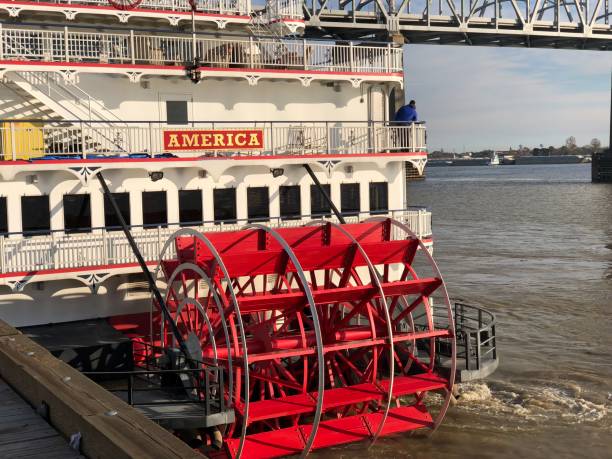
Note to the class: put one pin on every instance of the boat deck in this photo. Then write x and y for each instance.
(23, 433)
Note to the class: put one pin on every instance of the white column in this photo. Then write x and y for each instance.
(172, 203)
(13, 211)
(136, 207)
(241, 203)
(97, 208)
(208, 208)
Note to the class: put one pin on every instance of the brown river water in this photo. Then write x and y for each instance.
(534, 245)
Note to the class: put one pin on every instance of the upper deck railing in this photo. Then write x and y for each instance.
(139, 48)
(32, 140)
(239, 7)
(103, 247)
(274, 9)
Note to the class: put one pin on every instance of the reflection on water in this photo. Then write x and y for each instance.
(533, 244)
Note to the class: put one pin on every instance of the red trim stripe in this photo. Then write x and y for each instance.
(23, 162)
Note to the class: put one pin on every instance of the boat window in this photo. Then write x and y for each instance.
(290, 202)
(3, 217)
(154, 208)
(35, 215)
(176, 112)
(190, 207)
(319, 207)
(349, 198)
(110, 218)
(77, 213)
(224, 200)
(258, 204)
(379, 197)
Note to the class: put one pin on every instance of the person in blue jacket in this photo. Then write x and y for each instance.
(407, 114)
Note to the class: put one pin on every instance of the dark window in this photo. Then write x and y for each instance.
(35, 215)
(379, 197)
(319, 207)
(349, 198)
(77, 213)
(176, 112)
(258, 204)
(190, 207)
(290, 202)
(3, 217)
(123, 202)
(224, 200)
(154, 208)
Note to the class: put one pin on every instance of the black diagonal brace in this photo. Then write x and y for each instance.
(152, 286)
(324, 193)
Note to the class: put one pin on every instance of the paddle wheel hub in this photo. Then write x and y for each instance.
(325, 332)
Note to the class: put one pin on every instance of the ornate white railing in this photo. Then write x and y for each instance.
(102, 247)
(131, 47)
(239, 7)
(278, 138)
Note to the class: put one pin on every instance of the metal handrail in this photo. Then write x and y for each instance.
(213, 382)
(472, 323)
(473, 329)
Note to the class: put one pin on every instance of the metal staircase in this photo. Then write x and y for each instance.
(260, 26)
(50, 97)
(67, 101)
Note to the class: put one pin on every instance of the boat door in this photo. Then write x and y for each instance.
(176, 109)
(377, 117)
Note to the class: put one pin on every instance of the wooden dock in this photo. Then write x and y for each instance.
(23, 433)
(109, 428)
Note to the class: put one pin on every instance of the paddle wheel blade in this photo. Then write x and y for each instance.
(326, 332)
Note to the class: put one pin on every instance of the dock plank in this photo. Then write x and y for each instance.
(24, 434)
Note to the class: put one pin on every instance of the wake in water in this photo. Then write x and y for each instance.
(561, 402)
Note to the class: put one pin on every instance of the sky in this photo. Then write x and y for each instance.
(475, 98)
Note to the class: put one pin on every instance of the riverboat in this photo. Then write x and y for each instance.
(255, 175)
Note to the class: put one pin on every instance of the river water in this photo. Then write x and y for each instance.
(534, 245)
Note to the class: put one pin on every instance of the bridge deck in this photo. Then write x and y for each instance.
(23, 433)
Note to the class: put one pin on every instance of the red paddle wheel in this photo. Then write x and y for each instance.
(326, 332)
(125, 4)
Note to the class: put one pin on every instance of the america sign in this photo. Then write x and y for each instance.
(234, 139)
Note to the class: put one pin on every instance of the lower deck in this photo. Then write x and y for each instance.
(26, 434)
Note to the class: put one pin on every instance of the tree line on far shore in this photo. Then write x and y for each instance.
(569, 148)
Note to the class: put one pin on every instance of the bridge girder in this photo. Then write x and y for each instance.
(575, 24)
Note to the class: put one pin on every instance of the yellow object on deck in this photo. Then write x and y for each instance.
(21, 140)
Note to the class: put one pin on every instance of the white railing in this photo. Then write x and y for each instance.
(240, 7)
(146, 49)
(103, 247)
(89, 139)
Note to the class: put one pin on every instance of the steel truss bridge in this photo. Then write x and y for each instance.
(570, 24)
